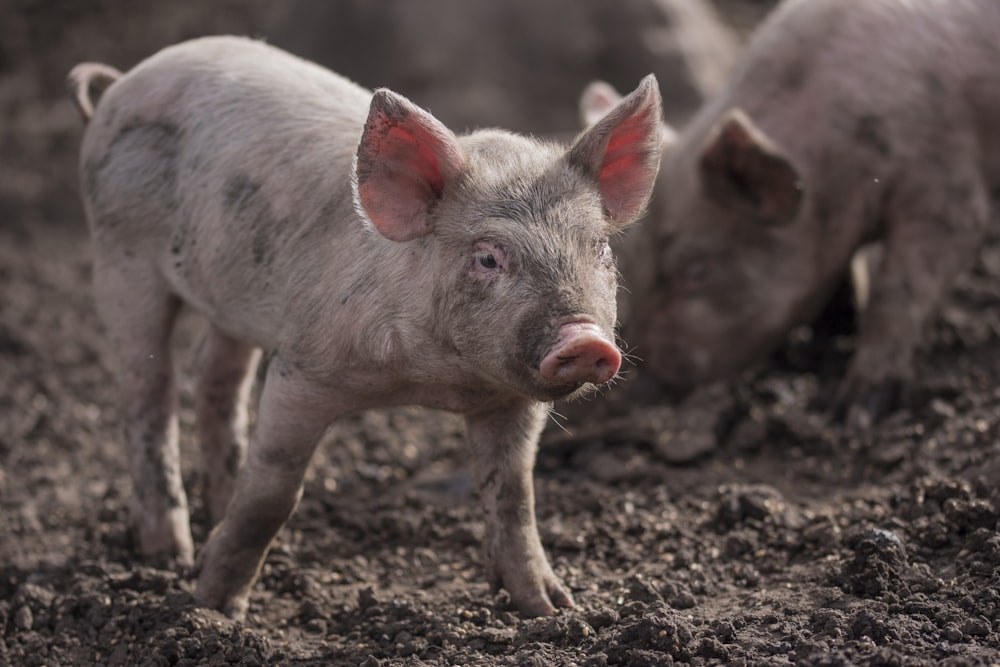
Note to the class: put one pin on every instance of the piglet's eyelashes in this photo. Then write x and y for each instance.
(488, 258)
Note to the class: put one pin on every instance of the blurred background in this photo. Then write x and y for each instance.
(517, 64)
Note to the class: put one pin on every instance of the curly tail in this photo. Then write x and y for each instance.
(80, 80)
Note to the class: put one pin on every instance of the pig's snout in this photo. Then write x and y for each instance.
(582, 353)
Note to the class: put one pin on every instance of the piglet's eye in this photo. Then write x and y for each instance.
(487, 261)
(604, 254)
(489, 257)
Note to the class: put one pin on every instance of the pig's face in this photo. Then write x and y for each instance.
(515, 233)
(525, 266)
(722, 273)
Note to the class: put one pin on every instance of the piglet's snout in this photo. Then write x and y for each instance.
(582, 353)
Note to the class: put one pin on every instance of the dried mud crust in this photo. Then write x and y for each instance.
(742, 529)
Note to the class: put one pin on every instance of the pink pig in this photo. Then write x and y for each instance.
(848, 122)
(378, 259)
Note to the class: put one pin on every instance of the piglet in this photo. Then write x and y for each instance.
(847, 123)
(376, 257)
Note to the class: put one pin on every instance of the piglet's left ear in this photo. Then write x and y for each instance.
(622, 152)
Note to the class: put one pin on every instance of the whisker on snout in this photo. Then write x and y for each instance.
(555, 417)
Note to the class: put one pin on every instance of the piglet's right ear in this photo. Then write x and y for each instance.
(600, 97)
(621, 152)
(403, 163)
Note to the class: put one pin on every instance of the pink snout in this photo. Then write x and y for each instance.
(581, 354)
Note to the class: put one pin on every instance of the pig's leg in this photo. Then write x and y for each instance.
(290, 422)
(504, 444)
(223, 390)
(933, 227)
(139, 311)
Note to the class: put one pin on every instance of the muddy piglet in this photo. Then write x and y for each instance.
(847, 122)
(377, 258)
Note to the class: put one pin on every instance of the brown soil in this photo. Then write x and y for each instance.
(744, 529)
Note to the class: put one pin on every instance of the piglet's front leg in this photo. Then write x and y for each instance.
(935, 223)
(504, 443)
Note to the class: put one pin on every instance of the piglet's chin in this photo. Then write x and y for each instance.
(572, 392)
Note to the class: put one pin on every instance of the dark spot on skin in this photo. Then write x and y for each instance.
(139, 167)
(535, 337)
(490, 478)
(161, 140)
(157, 482)
(795, 75)
(364, 284)
(259, 249)
(245, 201)
(90, 174)
(240, 193)
(158, 136)
(281, 367)
(513, 508)
(871, 132)
(177, 241)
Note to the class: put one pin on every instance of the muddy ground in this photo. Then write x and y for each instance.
(745, 529)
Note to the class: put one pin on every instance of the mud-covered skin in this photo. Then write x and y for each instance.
(847, 122)
(376, 257)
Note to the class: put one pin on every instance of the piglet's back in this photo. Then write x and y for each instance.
(229, 141)
(235, 79)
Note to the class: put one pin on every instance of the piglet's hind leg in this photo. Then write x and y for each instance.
(139, 311)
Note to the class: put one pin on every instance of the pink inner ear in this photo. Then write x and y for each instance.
(622, 152)
(404, 160)
(407, 153)
(625, 152)
(624, 176)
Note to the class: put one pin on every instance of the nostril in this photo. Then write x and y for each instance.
(606, 366)
(581, 355)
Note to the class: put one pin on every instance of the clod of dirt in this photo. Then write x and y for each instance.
(879, 562)
(658, 634)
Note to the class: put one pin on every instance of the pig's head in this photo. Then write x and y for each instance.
(722, 269)
(516, 233)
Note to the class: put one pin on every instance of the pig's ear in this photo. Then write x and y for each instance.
(597, 99)
(741, 167)
(405, 159)
(621, 151)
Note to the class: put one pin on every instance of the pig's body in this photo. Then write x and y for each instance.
(379, 259)
(848, 121)
(246, 213)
